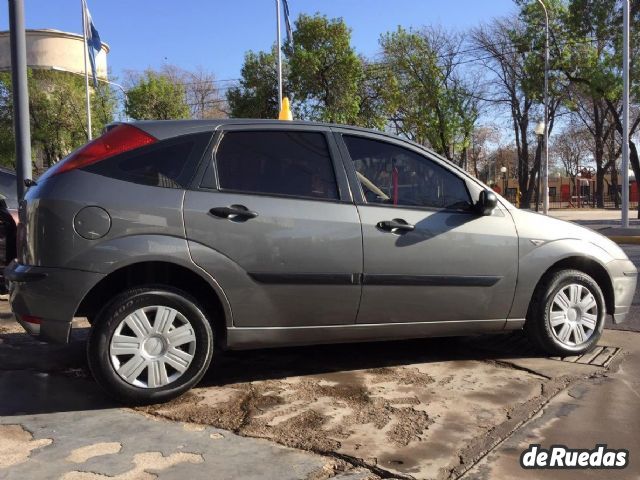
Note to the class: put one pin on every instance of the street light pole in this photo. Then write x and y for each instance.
(21, 127)
(625, 114)
(124, 92)
(545, 184)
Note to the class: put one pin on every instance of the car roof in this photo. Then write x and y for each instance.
(170, 128)
(164, 129)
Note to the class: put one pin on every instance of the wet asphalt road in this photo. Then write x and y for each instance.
(633, 320)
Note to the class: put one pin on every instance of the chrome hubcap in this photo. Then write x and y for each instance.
(573, 315)
(152, 347)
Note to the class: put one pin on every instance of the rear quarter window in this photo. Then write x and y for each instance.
(168, 164)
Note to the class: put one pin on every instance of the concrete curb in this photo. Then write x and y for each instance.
(630, 240)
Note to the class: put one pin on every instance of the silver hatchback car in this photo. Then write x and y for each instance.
(174, 238)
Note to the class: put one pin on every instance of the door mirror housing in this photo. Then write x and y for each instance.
(487, 202)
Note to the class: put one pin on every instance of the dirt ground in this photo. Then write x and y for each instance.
(413, 409)
(418, 409)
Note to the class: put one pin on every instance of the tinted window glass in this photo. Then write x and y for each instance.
(280, 163)
(393, 175)
(159, 165)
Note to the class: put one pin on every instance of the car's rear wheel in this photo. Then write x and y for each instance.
(150, 345)
(567, 313)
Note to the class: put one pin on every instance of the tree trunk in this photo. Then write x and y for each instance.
(537, 191)
(599, 153)
(599, 197)
(523, 166)
(614, 184)
(533, 176)
(633, 152)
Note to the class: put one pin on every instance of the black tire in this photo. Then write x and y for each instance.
(538, 325)
(108, 320)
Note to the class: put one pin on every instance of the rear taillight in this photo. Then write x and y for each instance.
(119, 139)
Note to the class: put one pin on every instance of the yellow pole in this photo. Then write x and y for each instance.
(285, 110)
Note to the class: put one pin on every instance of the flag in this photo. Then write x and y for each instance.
(94, 44)
(287, 23)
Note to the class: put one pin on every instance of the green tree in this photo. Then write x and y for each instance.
(588, 43)
(432, 101)
(511, 51)
(374, 110)
(256, 96)
(325, 72)
(57, 114)
(155, 96)
(322, 75)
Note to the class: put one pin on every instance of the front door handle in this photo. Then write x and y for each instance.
(397, 225)
(234, 212)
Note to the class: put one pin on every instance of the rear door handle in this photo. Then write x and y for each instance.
(397, 225)
(234, 212)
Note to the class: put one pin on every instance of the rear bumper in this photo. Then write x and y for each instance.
(624, 276)
(45, 300)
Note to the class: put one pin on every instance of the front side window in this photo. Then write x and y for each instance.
(290, 163)
(396, 176)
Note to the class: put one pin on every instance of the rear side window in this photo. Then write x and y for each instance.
(168, 164)
(277, 162)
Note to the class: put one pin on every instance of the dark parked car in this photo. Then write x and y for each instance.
(8, 220)
(175, 236)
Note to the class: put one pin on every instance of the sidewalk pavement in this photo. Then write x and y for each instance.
(52, 427)
(84, 441)
(606, 222)
(56, 423)
(588, 413)
(69, 432)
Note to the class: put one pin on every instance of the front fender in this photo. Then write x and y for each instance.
(536, 260)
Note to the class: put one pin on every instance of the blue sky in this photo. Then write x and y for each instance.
(216, 33)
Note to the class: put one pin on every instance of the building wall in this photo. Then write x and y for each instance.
(53, 49)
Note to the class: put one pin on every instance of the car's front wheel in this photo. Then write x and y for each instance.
(567, 313)
(150, 345)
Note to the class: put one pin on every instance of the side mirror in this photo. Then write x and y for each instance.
(487, 202)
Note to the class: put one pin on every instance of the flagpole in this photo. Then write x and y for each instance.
(279, 54)
(86, 71)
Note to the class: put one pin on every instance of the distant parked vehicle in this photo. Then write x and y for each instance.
(172, 237)
(8, 220)
(8, 188)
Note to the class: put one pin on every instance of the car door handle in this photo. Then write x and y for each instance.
(395, 226)
(233, 212)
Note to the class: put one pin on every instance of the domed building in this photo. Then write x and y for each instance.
(54, 50)
(59, 55)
